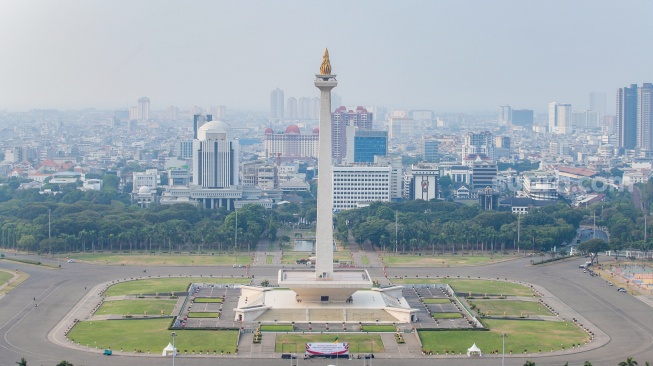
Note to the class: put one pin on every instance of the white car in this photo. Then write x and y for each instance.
(71, 261)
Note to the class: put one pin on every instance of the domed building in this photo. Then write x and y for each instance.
(216, 156)
(291, 144)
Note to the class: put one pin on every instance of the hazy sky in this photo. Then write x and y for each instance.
(447, 56)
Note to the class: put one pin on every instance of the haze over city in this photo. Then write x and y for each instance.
(445, 56)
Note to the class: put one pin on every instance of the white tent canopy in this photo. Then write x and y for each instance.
(169, 350)
(474, 351)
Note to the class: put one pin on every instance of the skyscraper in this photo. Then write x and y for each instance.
(645, 117)
(340, 119)
(522, 117)
(143, 109)
(597, 103)
(505, 115)
(198, 121)
(627, 117)
(291, 108)
(479, 143)
(276, 104)
(559, 118)
(215, 156)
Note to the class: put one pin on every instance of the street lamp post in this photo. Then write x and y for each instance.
(49, 232)
(174, 350)
(503, 348)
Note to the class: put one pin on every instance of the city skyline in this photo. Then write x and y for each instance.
(442, 56)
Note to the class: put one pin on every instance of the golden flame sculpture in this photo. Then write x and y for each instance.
(325, 68)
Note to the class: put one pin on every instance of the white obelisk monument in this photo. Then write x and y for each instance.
(325, 81)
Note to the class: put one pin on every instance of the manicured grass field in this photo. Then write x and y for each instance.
(292, 257)
(165, 285)
(203, 315)
(366, 261)
(5, 276)
(200, 300)
(358, 343)
(509, 307)
(520, 335)
(276, 328)
(150, 335)
(436, 301)
(165, 259)
(22, 276)
(447, 315)
(136, 307)
(269, 259)
(495, 288)
(378, 328)
(446, 260)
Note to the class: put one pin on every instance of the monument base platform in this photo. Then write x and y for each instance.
(282, 305)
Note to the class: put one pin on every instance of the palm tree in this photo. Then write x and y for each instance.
(587, 363)
(529, 363)
(629, 362)
(22, 362)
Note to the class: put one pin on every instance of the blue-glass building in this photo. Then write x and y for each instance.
(369, 143)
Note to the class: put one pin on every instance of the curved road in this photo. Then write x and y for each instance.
(24, 327)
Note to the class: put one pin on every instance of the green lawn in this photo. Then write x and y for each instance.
(269, 259)
(5, 276)
(137, 307)
(509, 307)
(379, 328)
(521, 335)
(276, 328)
(474, 286)
(165, 259)
(436, 301)
(446, 260)
(292, 257)
(358, 343)
(203, 315)
(165, 285)
(200, 300)
(150, 335)
(447, 315)
(366, 261)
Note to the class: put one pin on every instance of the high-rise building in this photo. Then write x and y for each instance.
(314, 110)
(364, 145)
(304, 108)
(559, 118)
(587, 119)
(216, 156)
(645, 117)
(185, 149)
(505, 115)
(198, 121)
(143, 109)
(276, 104)
(356, 185)
(627, 117)
(540, 185)
(430, 149)
(597, 103)
(478, 143)
(291, 109)
(340, 119)
(421, 182)
(483, 174)
(522, 117)
(291, 144)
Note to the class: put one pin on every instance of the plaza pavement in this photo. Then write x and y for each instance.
(30, 332)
